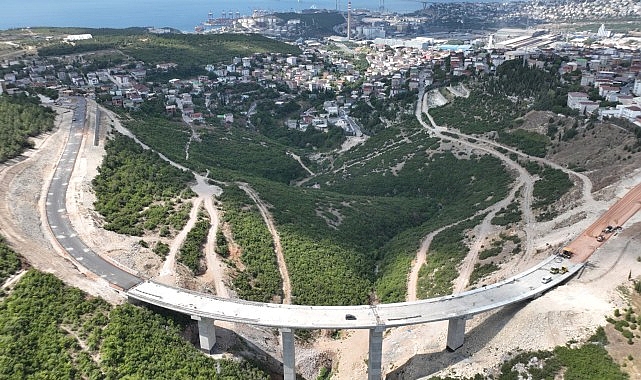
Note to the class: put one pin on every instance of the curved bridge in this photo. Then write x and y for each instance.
(206, 309)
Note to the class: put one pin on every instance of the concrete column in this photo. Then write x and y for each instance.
(455, 333)
(289, 354)
(375, 361)
(206, 333)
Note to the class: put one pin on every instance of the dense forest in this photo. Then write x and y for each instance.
(52, 331)
(137, 191)
(21, 117)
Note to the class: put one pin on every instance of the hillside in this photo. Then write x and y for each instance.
(191, 52)
(50, 330)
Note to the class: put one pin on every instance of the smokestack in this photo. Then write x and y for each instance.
(349, 20)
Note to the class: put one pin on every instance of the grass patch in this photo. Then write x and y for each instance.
(482, 270)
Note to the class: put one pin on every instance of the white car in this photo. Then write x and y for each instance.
(546, 279)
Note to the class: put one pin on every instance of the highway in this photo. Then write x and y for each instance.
(523, 286)
(56, 210)
(455, 308)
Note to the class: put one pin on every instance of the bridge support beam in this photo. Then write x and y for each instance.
(289, 354)
(375, 360)
(455, 333)
(206, 333)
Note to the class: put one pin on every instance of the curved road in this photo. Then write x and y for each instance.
(523, 286)
(56, 210)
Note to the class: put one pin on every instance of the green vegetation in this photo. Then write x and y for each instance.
(531, 143)
(191, 252)
(478, 113)
(9, 261)
(228, 154)
(270, 119)
(260, 280)
(21, 117)
(508, 215)
(482, 270)
(136, 190)
(161, 249)
(551, 186)
(591, 361)
(495, 250)
(628, 324)
(51, 331)
(351, 240)
(191, 52)
(445, 254)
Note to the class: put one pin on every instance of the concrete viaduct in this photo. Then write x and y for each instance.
(206, 309)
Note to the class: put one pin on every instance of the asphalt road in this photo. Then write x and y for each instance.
(57, 215)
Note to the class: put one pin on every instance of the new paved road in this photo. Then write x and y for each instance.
(58, 218)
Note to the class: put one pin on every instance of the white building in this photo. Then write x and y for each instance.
(636, 90)
(575, 99)
(78, 37)
(630, 112)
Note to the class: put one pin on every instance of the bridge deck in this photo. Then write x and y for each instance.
(523, 286)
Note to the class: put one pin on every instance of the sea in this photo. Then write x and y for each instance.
(183, 15)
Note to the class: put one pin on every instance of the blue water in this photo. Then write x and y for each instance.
(179, 14)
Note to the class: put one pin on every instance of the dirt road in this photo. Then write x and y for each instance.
(280, 257)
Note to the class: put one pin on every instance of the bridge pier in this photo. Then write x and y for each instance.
(206, 333)
(375, 360)
(289, 354)
(455, 333)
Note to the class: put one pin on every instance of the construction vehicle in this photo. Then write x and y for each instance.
(566, 253)
(557, 270)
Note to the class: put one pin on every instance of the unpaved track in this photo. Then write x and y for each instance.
(215, 267)
(168, 271)
(280, 257)
(524, 181)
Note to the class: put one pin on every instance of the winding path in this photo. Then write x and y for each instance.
(525, 181)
